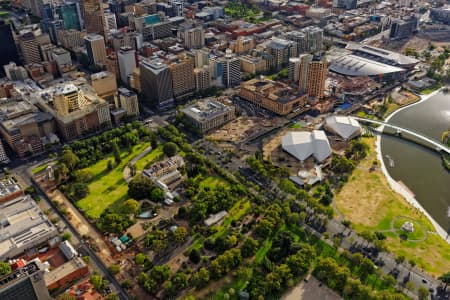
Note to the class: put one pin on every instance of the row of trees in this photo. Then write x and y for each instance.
(93, 149)
(345, 282)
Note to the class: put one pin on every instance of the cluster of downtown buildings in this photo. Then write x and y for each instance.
(171, 51)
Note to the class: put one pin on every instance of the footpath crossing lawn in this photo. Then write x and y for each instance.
(108, 188)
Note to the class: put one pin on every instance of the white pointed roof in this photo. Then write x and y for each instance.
(302, 144)
(345, 127)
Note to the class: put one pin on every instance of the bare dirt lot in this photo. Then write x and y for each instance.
(312, 289)
(242, 128)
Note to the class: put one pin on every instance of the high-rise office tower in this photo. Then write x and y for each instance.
(71, 39)
(54, 27)
(68, 98)
(94, 19)
(231, 70)
(201, 58)
(182, 71)
(129, 102)
(317, 74)
(24, 283)
(14, 72)
(403, 28)
(281, 50)
(29, 47)
(95, 47)
(202, 78)
(299, 38)
(305, 59)
(70, 13)
(156, 83)
(294, 69)
(105, 85)
(244, 44)
(216, 71)
(193, 38)
(314, 37)
(112, 64)
(110, 22)
(312, 76)
(178, 7)
(8, 50)
(127, 62)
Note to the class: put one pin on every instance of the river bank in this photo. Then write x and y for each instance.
(400, 188)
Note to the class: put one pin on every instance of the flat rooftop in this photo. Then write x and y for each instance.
(273, 90)
(62, 271)
(206, 109)
(22, 223)
(7, 187)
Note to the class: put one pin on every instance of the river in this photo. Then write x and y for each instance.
(418, 167)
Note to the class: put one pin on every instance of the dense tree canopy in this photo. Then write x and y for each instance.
(170, 149)
(141, 187)
(113, 222)
(130, 206)
(5, 268)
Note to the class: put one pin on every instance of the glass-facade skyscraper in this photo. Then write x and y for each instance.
(8, 50)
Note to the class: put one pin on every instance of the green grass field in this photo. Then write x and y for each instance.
(39, 169)
(418, 233)
(212, 182)
(239, 210)
(149, 158)
(108, 188)
(430, 89)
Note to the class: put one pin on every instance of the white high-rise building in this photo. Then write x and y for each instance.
(14, 72)
(294, 69)
(127, 62)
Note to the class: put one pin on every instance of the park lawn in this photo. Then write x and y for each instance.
(394, 106)
(108, 188)
(212, 182)
(262, 251)
(39, 169)
(239, 210)
(370, 204)
(430, 89)
(151, 157)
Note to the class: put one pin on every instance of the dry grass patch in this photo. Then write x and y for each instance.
(370, 204)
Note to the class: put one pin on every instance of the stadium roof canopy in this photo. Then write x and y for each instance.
(352, 65)
(382, 55)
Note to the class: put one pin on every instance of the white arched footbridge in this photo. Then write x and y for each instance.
(435, 143)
